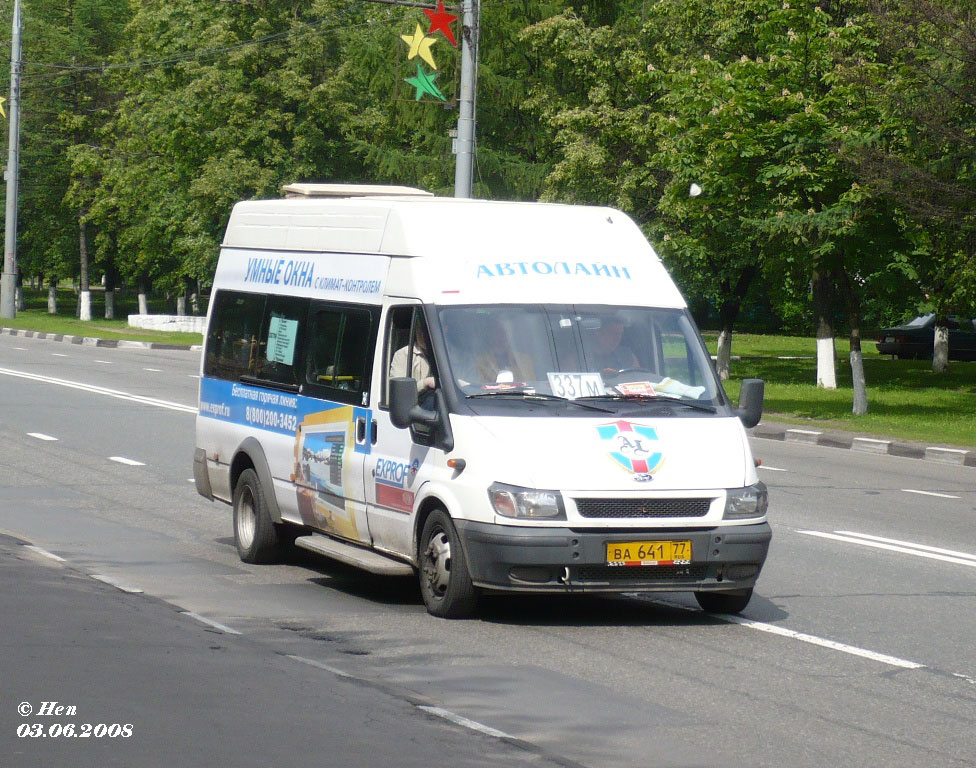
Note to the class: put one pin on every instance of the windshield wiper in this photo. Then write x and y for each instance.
(532, 395)
(657, 399)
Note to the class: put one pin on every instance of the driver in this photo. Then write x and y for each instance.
(611, 354)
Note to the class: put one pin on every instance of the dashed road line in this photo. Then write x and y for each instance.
(112, 581)
(465, 722)
(772, 469)
(127, 462)
(45, 553)
(320, 665)
(41, 436)
(210, 622)
(153, 370)
(58, 354)
(930, 493)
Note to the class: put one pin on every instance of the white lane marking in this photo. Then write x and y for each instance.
(772, 469)
(803, 637)
(112, 581)
(22, 349)
(101, 391)
(40, 436)
(103, 362)
(320, 665)
(465, 722)
(912, 544)
(194, 375)
(127, 462)
(154, 370)
(210, 622)
(58, 354)
(893, 545)
(44, 553)
(929, 493)
(823, 642)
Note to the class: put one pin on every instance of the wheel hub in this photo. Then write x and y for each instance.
(437, 563)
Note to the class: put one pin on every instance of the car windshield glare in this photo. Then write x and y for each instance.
(577, 351)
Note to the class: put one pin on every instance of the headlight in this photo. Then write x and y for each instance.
(512, 501)
(746, 502)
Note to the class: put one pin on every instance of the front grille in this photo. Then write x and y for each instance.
(595, 573)
(605, 508)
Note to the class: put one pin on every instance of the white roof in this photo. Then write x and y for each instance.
(466, 250)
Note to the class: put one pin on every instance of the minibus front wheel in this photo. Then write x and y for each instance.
(255, 536)
(444, 579)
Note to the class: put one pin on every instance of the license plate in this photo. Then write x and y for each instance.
(573, 385)
(631, 553)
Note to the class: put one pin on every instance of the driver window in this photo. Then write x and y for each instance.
(403, 358)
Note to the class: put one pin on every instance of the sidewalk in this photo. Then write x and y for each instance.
(854, 441)
(90, 341)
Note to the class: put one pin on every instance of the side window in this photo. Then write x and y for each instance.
(339, 353)
(401, 358)
(233, 339)
(281, 336)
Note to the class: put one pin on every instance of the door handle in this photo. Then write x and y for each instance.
(372, 431)
(361, 430)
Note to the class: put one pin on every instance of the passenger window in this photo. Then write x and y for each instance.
(280, 340)
(339, 354)
(233, 342)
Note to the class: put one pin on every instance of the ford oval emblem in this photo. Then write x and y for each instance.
(643, 477)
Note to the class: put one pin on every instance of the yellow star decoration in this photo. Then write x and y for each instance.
(2, 100)
(420, 46)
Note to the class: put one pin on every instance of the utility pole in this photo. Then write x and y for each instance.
(464, 167)
(8, 283)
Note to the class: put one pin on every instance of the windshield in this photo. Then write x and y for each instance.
(593, 352)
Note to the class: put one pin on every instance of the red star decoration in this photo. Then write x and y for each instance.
(441, 20)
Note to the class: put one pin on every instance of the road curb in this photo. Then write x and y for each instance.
(90, 341)
(937, 453)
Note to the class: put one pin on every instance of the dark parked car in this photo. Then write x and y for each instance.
(917, 338)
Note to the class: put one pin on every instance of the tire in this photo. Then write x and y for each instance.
(444, 579)
(257, 538)
(733, 601)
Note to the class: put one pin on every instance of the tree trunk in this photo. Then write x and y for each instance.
(728, 313)
(195, 298)
(858, 380)
(826, 353)
(84, 297)
(52, 296)
(109, 293)
(940, 352)
(143, 299)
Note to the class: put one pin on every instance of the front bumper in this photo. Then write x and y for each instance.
(522, 559)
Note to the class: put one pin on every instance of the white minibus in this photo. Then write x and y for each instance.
(496, 396)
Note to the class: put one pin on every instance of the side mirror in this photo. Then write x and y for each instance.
(405, 412)
(750, 402)
(403, 399)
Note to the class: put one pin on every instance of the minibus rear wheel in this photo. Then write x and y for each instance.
(255, 535)
(444, 579)
(732, 601)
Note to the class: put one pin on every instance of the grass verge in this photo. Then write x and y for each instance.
(906, 400)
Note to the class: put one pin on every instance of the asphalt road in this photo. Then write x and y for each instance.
(856, 649)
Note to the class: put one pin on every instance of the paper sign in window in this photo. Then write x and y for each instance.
(281, 340)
